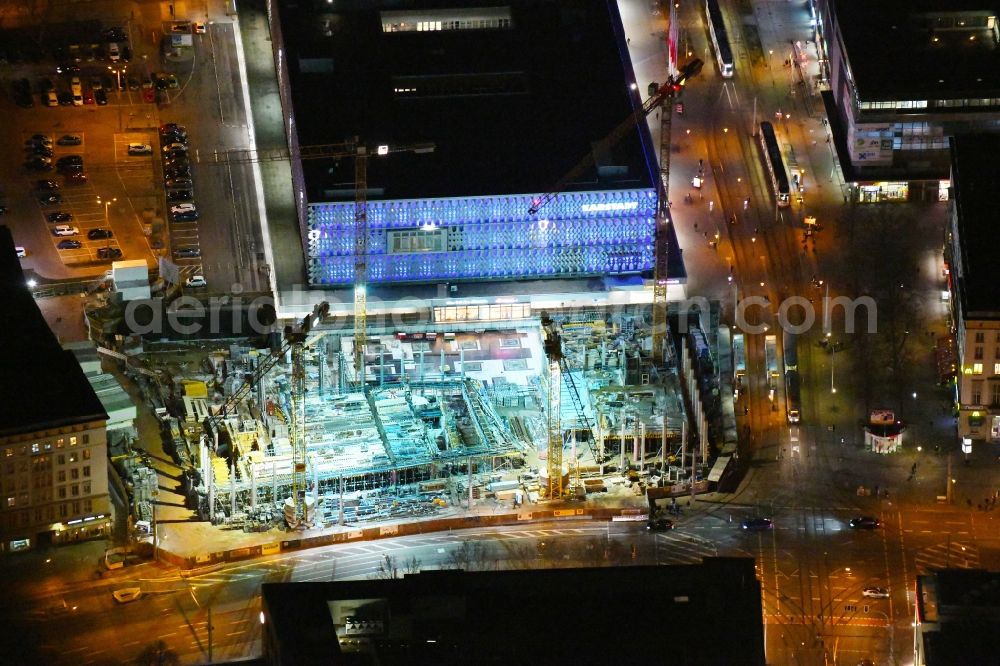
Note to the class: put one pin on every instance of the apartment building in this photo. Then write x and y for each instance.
(975, 293)
(53, 449)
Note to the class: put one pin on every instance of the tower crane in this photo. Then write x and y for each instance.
(351, 148)
(659, 95)
(553, 352)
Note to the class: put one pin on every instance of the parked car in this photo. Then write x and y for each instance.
(132, 82)
(100, 234)
(65, 98)
(177, 182)
(109, 253)
(189, 216)
(180, 195)
(865, 523)
(174, 137)
(65, 230)
(76, 178)
(70, 140)
(20, 251)
(39, 138)
(160, 79)
(172, 127)
(68, 68)
(175, 147)
(187, 252)
(38, 163)
(182, 208)
(148, 94)
(199, 28)
(59, 216)
(69, 245)
(172, 81)
(757, 524)
(70, 159)
(49, 199)
(136, 149)
(46, 185)
(114, 34)
(181, 27)
(875, 593)
(195, 281)
(88, 97)
(101, 96)
(175, 173)
(39, 149)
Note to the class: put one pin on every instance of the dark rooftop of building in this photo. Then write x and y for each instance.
(692, 614)
(511, 105)
(975, 182)
(960, 616)
(43, 386)
(920, 49)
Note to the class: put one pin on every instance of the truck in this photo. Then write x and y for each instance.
(793, 402)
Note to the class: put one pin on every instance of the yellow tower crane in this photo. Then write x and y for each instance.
(659, 95)
(553, 352)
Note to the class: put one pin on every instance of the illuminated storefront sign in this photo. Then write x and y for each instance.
(883, 191)
(482, 238)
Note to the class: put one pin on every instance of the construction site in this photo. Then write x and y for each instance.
(521, 413)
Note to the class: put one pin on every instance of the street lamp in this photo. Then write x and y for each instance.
(833, 358)
(107, 223)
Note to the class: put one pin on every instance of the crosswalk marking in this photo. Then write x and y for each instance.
(949, 554)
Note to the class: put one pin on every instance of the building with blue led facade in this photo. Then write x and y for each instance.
(512, 96)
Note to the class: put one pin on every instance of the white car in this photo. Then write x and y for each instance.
(21, 252)
(140, 149)
(175, 147)
(199, 28)
(875, 593)
(196, 281)
(65, 230)
(127, 594)
(182, 208)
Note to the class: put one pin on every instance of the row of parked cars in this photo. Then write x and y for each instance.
(180, 189)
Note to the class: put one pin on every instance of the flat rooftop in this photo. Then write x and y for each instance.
(976, 180)
(512, 96)
(456, 617)
(920, 49)
(43, 385)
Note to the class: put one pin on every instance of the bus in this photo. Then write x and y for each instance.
(739, 360)
(720, 40)
(775, 164)
(793, 405)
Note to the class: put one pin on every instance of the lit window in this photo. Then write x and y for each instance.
(36, 448)
(11, 501)
(996, 368)
(60, 443)
(72, 440)
(977, 368)
(86, 454)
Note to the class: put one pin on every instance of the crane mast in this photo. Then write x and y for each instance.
(360, 261)
(553, 351)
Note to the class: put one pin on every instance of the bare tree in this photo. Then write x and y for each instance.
(389, 568)
(470, 556)
(157, 654)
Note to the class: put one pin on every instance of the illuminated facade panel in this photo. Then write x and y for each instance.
(426, 240)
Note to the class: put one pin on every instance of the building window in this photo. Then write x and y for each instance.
(86, 471)
(86, 488)
(88, 506)
(980, 337)
(62, 510)
(978, 353)
(86, 439)
(61, 459)
(11, 501)
(72, 440)
(36, 448)
(74, 473)
(60, 443)
(977, 392)
(76, 508)
(996, 368)
(61, 492)
(977, 368)
(61, 476)
(86, 454)
(75, 490)
(995, 395)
